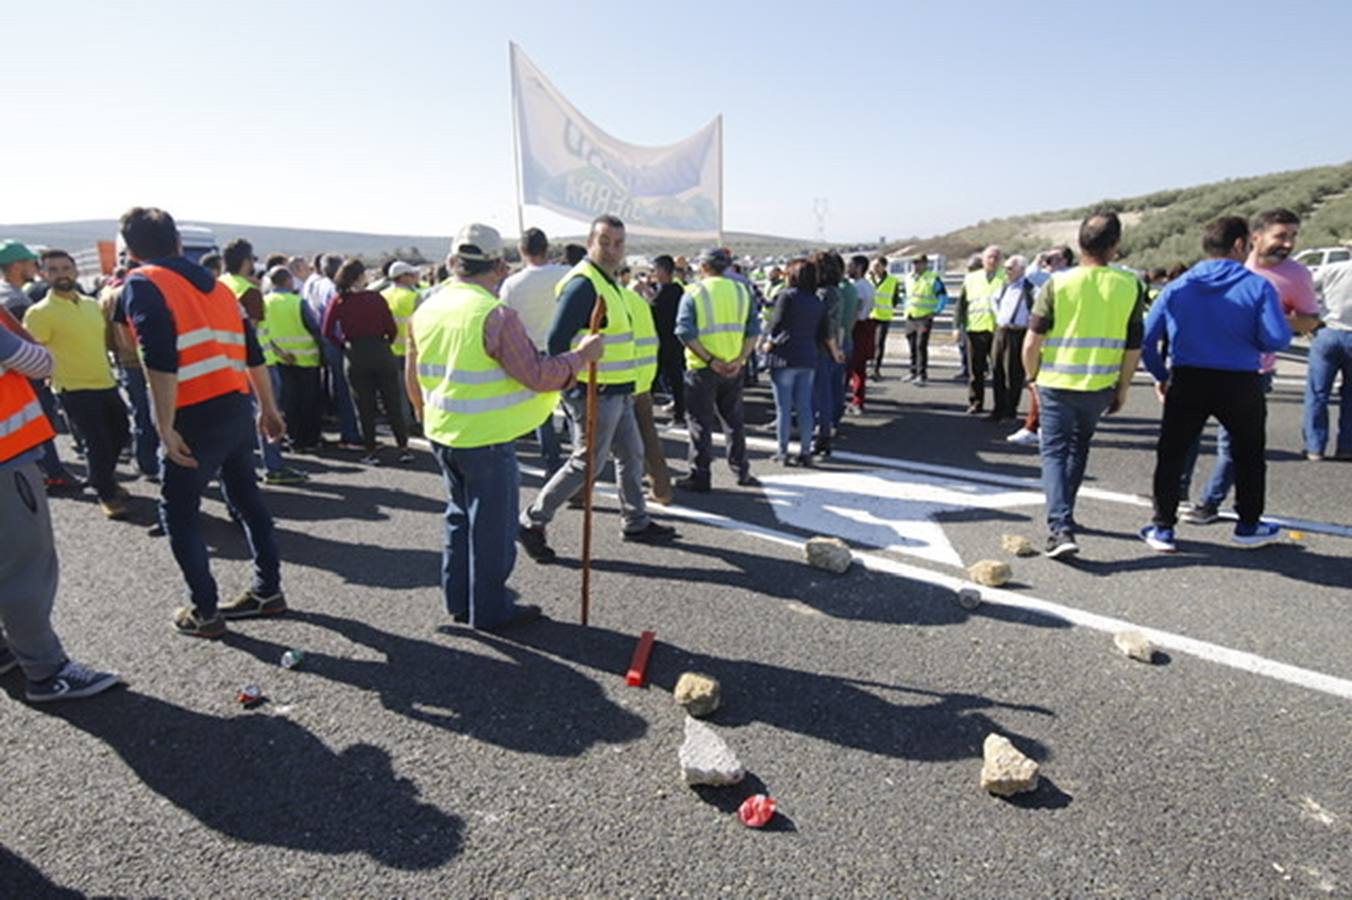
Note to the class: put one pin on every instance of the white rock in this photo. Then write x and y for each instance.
(1136, 645)
(1005, 771)
(1018, 545)
(698, 694)
(829, 553)
(706, 758)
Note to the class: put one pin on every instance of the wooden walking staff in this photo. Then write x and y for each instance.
(597, 316)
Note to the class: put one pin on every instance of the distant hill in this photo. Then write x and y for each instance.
(307, 242)
(1165, 227)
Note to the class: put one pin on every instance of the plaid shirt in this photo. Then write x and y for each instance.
(505, 340)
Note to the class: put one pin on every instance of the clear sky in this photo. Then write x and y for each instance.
(910, 118)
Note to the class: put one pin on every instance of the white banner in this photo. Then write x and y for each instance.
(568, 165)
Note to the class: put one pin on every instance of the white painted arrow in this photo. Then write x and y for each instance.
(884, 508)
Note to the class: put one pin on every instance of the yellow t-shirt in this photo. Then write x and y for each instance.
(74, 330)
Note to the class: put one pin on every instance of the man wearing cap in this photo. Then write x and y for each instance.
(18, 265)
(616, 428)
(925, 297)
(402, 296)
(478, 383)
(201, 360)
(718, 324)
(531, 293)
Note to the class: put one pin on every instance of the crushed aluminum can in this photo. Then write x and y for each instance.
(250, 695)
(969, 598)
(292, 659)
(756, 811)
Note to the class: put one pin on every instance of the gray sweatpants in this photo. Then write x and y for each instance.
(28, 573)
(616, 431)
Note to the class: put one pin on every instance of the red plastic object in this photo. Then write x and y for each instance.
(756, 811)
(638, 666)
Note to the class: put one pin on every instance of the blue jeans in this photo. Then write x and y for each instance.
(483, 496)
(839, 373)
(823, 398)
(793, 396)
(1223, 472)
(336, 381)
(221, 442)
(1068, 420)
(271, 451)
(145, 440)
(1330, 353)
(50, 461)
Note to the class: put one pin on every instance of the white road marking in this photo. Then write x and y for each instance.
(1015, 481)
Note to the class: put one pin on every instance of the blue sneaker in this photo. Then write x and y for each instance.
(1256, 535)
(8, 661)
(72, 682)
(1161, 539)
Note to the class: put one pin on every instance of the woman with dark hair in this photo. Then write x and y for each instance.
(799, 334)
(360, 321)
(828, 384)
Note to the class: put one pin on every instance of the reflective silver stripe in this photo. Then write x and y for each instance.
(207, 366)
(202, 335)
(1072, 369)
(479, 404)
(607, 339)
(461, 376)
(646, 342)
(1105, 343)
(621, 365)
(30, 412)
(706, 305)
(723, 329)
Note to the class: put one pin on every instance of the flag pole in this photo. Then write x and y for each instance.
(516, 139)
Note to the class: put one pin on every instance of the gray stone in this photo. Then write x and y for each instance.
(990, 572)
(1018, 545)
(706, 758)
(1005, 771)
(829, 553)
(1135, 645)
(969, 598)
(698, 694)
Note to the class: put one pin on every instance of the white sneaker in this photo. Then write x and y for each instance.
(1023, 437)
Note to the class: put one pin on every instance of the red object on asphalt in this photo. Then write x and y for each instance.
(249, 695)
(638, 666)
(756, 811)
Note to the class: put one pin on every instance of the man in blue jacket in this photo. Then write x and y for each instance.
(1220, 318)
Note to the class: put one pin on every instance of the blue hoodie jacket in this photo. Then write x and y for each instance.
(1218, 315)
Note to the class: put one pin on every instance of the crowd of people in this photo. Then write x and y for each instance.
(205, 371)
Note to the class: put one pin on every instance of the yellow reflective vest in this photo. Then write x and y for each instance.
(283, 325)
(402, 301)
(721, 310)
(469, 400)
(922, 295)
(645, 341)
(1091, 309)
(617, 360)
(884, 296)
(982, 294)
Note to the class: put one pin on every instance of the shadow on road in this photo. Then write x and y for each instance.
(263, 779)
(887, 719)
(528, 702)
(20, 878)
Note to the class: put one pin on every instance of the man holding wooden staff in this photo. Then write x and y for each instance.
(477, 383)
(614, 428)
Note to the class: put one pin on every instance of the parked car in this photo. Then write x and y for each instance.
(1316, 257)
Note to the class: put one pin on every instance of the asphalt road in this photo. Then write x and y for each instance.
(411, 757)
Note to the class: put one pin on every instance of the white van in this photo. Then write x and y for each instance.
(198, 241)
(1323, 256)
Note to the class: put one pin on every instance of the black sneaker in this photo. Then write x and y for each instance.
(1201, 514)
(1063, 544)
(189, 624)
(532, 540)
(652, 533)
(249, 605)
(746, 479)
(693, 483)
(71, 682)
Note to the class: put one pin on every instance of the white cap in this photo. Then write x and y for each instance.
(399, 268)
